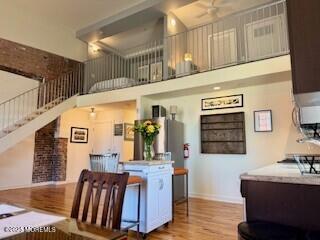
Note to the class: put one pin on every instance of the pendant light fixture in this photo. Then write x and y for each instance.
(92, 114)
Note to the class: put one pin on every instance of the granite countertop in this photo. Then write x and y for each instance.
(148, 163)
(282, 173)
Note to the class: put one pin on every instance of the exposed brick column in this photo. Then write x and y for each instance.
(50, 156)
(43, 153)
(59, 159)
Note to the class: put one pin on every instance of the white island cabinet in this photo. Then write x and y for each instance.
(156, 194)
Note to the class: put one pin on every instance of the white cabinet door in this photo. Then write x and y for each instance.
(153, 202)
(159, 210)
(165, 198)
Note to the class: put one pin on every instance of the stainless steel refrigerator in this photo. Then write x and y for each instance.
(169, 139)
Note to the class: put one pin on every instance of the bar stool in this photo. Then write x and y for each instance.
(267, 231)
(180, 172)
(135, 181)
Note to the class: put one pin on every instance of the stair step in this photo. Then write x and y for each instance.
(20, 124)
(30, 117)
(39, 112)
(9, 130)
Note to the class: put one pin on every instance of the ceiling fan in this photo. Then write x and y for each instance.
(214, 8)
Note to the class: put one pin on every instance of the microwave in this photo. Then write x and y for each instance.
(307, 120)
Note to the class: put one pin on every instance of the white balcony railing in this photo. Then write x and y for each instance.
(248, 36)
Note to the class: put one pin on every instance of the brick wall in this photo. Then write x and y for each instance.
(59, 160)
(50, 155)
(43, 153)
(31, 62)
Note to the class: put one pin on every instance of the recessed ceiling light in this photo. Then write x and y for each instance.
(216, 88)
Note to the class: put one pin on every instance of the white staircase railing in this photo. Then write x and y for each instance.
(252, 35)
(25, 107)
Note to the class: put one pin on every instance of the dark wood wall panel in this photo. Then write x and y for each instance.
(226, 125)
(223, 118)
(223, 133)
(223, 147)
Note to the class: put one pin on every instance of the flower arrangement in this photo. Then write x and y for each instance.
(148, 130)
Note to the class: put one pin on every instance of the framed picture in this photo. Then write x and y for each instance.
(128, 132)
(232, 101)
(263, 121)
(79, 135)
(156, 71)
(118, 129)
(143, 73)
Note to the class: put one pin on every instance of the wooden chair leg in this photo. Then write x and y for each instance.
(187, 193)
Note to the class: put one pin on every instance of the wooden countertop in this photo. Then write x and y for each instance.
(281, 173)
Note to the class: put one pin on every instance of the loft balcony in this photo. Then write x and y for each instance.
(252, 35)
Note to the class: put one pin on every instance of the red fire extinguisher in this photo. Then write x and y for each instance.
(186, 150)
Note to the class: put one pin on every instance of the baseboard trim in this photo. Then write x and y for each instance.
(210, 197)
(217, 198)
(31, 185)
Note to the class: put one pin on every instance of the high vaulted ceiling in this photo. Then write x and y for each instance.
(189, 14)
(74, 14)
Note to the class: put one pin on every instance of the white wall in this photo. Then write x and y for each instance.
(16, 165)
(29, 29)
(215, 176)
(17, 161)
(125, 148)
(13, 85)
(169, 28)
(78, 154)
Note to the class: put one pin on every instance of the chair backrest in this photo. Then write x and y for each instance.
(111, 186)
(104, 163)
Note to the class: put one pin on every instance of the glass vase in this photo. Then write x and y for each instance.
(148, 153)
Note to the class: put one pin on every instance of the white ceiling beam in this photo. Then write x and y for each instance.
(146, 11)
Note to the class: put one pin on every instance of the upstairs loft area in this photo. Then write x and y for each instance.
(247, 36)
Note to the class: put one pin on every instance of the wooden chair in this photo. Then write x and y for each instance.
(180, 172)
(113, 184)
(109, 163)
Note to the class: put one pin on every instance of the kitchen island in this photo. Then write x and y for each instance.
(156, 194)
(280, 194)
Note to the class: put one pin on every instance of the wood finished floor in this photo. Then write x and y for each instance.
(207, 219)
